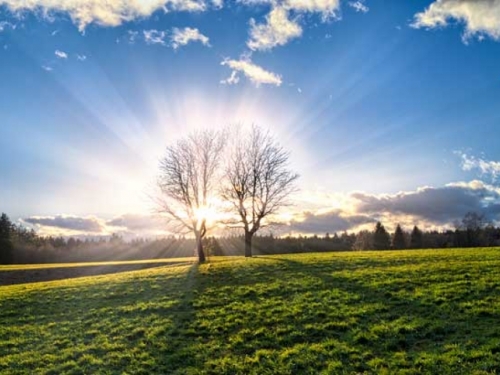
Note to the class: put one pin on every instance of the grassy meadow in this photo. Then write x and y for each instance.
(408, 312)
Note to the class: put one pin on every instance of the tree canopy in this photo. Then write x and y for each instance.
(258, 180)
(186, 182)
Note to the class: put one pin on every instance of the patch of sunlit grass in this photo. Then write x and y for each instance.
(413, 312)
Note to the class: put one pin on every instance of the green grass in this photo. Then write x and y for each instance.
(413, 312)
(12, 267)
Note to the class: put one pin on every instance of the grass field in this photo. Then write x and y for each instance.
(20, 274)
(413, 312)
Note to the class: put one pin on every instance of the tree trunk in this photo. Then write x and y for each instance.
(199, 249)
(248, 244)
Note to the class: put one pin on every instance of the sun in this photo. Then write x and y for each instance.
(207, 213)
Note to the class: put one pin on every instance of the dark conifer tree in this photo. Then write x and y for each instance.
(6, 247)
(416, 238)
(381, 239)
(399, 241)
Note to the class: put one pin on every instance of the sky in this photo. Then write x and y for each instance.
(390, 110)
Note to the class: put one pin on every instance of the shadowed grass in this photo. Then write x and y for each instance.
(413, 312)
(166, 261)
(16, 274)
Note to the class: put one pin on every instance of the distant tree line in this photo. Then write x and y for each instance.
(20, 245)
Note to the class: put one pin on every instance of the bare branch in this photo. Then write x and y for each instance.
(258, 181)
(187, 174)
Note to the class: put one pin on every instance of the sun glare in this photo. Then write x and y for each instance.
(208, 213)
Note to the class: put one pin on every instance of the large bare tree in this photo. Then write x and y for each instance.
(188, 173)
(258, 180)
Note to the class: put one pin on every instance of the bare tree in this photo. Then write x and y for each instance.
(257, 181)
(186, 181)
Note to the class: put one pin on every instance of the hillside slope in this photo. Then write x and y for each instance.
(371, 312)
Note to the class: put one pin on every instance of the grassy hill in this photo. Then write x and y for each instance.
(433, 311)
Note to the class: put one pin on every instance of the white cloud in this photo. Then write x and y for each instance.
(104, 13)
(488, 168)
(233, 79)
(181, 37)
(81, 57)
(61, 54)
(218, 3)
(132, 36)
(47, 68)
(255, 2)
(154, 37)
(359, 6)
(328, 8)
(4, 25)
(254, 73)
(480, 17)
(277, 30)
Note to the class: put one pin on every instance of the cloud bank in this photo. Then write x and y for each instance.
(439, 206)
(333, 221)
(427, 207)
(128, 225)
(436, 208)
(84, 224)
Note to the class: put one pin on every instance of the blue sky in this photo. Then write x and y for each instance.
(387, 102)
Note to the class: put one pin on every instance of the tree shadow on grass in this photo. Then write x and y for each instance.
(288, 316)
(23, 276)
(136, 323)
(416, 324)
(268, 315)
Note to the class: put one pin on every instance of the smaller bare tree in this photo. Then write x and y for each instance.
(257, 181)
(188, 172)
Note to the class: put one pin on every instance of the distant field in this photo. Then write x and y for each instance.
(410, 312)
